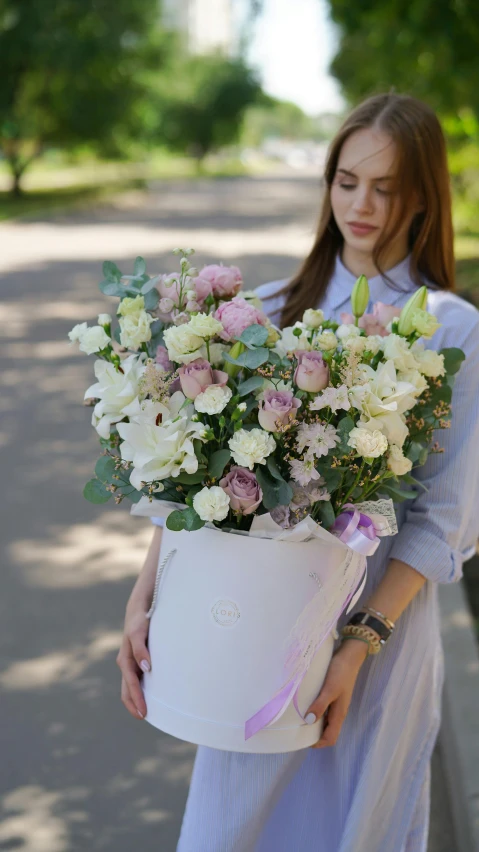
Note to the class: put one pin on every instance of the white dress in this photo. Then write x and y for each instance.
(371, 791)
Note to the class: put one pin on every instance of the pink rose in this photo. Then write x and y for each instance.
(312, 372)
(277, 407)
(237, 315)
(162, 359)
(376, 322)
(225, 281)
(241, 486)
(198, 375)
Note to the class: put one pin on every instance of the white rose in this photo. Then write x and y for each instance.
(375, 343)
(429, 362)
(250, 447)
(94, 339)
(213, 400)
(347, 330)
(77, 332)
(424, 323)
(205, 325)
(312, 318)
(397, 461)
(211, 504)
(398, 350)
(356, 344)
(129, 305)
(135, 329)
(414, 377)
(104, 319)
(369, 444)
(252, 298)
(326, 341)
(182, 344)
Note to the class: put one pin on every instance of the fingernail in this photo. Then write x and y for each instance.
(310, 719)
(140, 714)
(145, 665)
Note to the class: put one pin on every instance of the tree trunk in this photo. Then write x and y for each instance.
(16, 190)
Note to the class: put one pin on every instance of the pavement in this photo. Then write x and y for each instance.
(77, 773)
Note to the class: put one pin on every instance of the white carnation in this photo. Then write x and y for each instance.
(312, 318)
(429, 362)
(213, 400)
(347, 330)
(250, 447)
(205, 325)
(397, 461)
(375, 343)
(135, 329)
(355, 343)
(77, 332)
(211, 504)
(104, 319)
(369, 444)
(182, 344)
(94, 339)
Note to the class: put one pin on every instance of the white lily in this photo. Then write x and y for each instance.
(115, 390)
(382, 400)
(155, 412)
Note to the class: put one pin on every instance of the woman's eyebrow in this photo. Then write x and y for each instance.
(351, 174)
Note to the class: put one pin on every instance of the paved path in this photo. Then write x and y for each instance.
(76, 771)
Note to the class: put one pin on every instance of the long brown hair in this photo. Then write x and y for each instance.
(421, 167)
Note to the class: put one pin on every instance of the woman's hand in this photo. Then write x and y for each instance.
(133, 658)
(337, 689)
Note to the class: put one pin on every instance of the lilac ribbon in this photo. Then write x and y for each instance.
(357, 530)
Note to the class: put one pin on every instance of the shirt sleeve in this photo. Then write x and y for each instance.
(441, 526)
(158, 522)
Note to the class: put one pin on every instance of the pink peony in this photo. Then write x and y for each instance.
(198, 375)
(241, 485)
(376, 322)
(225, 281)
(237, 315)
(312, 372)
(277, 408)
(162, 359)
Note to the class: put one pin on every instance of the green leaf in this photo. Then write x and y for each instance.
(344, 427)
(396, 494)
(268, 487)
(111, 271)
(326, 514)
(135, 496)
(275, 359)
(191, 478)
(95, 492)
(139, 267)
(414, 451)
(112, 288)
(453, 359)
(105, 468)
(250, 385)
(148, 285)
(176, 521)
(332, 477)
(218, 462)
(254, 335)
(192, 520)
(252, 358)
(151, 300)
(116, 334)
(285, 493)
(274, 469)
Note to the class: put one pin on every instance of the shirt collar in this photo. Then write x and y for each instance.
(342, 282)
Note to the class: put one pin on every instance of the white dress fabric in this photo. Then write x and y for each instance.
(371, 791)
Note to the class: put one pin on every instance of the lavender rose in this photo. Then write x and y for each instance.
(312, 372)
(224, 281)
(198, 375)
(241, 486)
(277, 408)
(163, 360)
(237, 315)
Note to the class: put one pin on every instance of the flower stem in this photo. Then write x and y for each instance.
(353, 486)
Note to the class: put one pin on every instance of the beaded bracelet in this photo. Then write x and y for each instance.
(363, 632)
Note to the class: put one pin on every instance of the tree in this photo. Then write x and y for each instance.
(71, 73)
(426, 48)
(202, 101)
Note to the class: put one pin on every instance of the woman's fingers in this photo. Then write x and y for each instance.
(131, 677)
(336, 715)
(128, 701)
(139, 650)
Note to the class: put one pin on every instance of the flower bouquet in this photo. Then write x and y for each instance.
(296, 442)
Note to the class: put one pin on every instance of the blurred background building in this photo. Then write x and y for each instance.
(206, 24)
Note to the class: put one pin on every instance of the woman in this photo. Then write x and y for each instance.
(365, 787)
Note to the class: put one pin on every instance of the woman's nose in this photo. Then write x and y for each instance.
(363, 201)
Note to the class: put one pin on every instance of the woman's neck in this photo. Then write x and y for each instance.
(361, 263)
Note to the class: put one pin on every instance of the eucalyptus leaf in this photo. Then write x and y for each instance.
(217, 463)
(176, 521)
(326, 514)
(251, 384)
(268, 487)
(116, 334)
(254, 335)
(192, 520)
(285, 493)
(148, 285)
(191, 478)
(111, 271)
(105, 468)
(453, 358)
(331, 475)
(111, 288)
(344, 427)
(151, 300)
(252, 358)
(274, 469)
(95, 492)
(139, 267)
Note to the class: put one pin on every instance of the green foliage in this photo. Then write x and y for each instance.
(70, 74)
(201, 103)
(185, 519)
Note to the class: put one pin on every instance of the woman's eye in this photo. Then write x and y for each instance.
(383, 191)
(347, 185)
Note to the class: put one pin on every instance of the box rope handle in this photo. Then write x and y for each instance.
(159, 575)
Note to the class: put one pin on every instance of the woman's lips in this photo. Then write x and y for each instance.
(361, 230)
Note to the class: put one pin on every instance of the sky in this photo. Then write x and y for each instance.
(293, 43)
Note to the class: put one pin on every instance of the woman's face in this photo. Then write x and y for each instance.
(363, 194)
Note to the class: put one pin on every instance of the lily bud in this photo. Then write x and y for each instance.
(233, 369)
(418, 301)
(360, 296)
